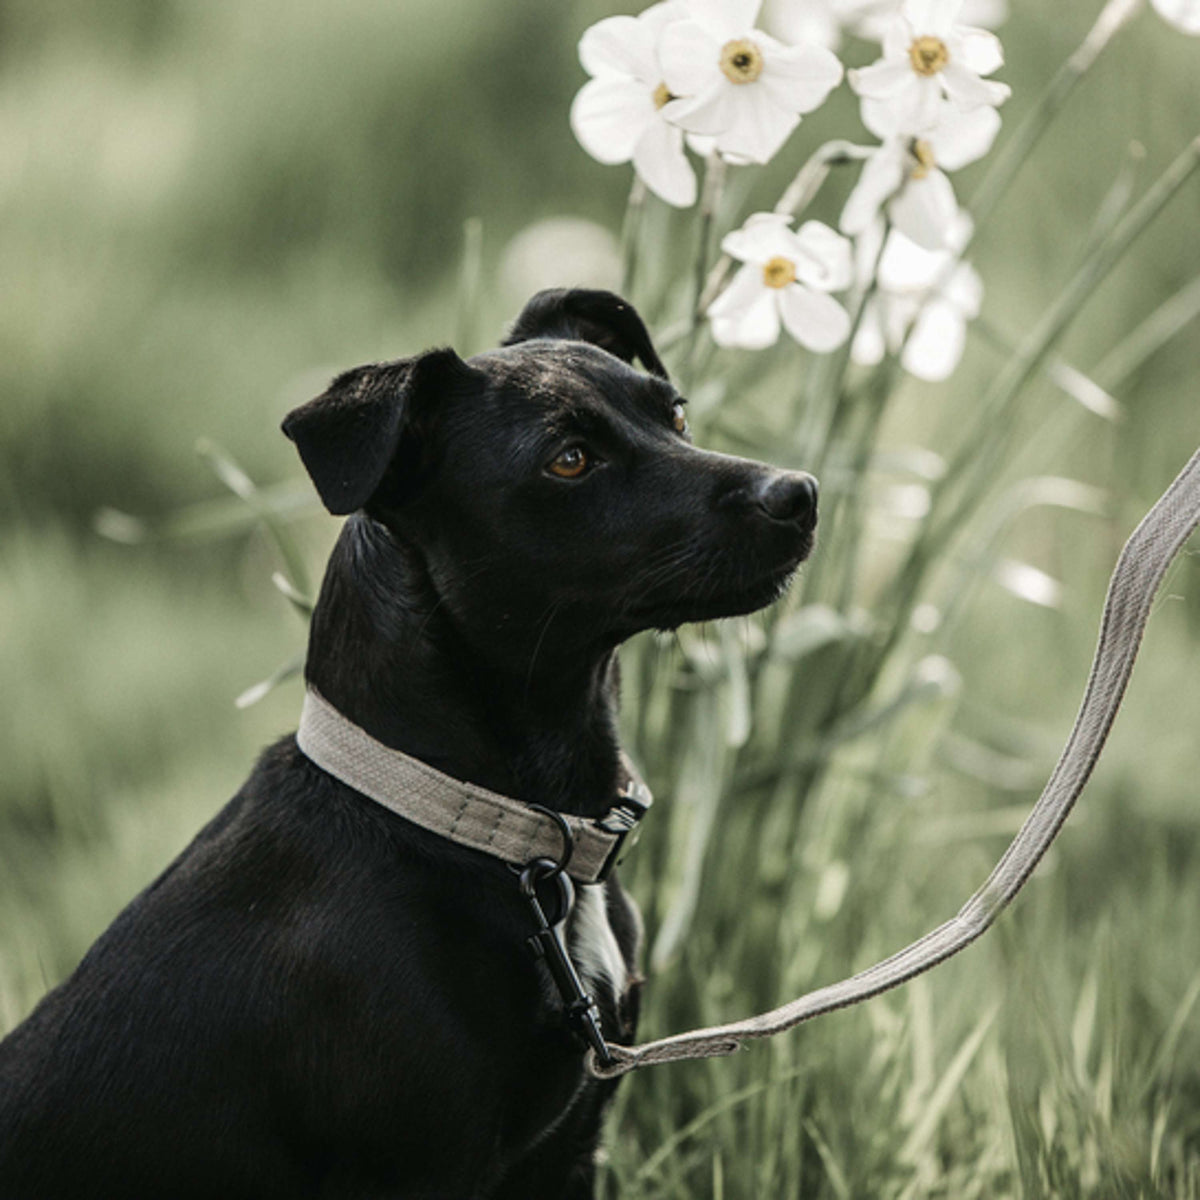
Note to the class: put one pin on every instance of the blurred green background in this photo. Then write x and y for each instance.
(208, 209)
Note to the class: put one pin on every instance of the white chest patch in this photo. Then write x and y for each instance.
(593, 945)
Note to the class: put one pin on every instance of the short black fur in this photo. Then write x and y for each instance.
(317, 998)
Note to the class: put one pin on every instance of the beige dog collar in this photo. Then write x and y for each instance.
(472, 816)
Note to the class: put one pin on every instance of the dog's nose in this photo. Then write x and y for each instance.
(789, 496)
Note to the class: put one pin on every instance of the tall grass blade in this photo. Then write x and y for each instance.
(242, 486)
(921, 1136)
(289, 670)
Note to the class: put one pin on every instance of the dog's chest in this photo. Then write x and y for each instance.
(593, 945)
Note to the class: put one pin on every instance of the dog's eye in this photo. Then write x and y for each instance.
(679, 418)
(570, 464)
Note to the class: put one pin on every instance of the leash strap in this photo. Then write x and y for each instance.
(471, 816)
(1139, 570)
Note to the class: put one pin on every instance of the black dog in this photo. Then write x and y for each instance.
(318, 998)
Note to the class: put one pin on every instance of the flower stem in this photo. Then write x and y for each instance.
(1168, 319)
(1012, 155)
(1035, 347)
(710, 199)
(631, 227)
(964, 485)
(469, 275)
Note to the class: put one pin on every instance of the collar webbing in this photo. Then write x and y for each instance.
(461, 812)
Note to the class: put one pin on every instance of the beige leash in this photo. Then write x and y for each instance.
(1143, 562)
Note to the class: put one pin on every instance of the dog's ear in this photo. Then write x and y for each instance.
(585, 315)
(350, 434)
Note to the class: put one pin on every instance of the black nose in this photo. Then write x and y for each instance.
(789, 496)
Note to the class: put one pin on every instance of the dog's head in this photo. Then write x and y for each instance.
(550, 482)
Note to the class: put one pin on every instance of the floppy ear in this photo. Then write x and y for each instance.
(584, 315)
(348, 436)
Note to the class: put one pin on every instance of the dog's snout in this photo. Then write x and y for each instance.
(789, 496)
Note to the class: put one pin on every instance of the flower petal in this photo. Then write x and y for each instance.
(961, 137)
(936, 343)
(708, 114)
(753, 325)
(608, 116)
(932, 16)
(878, 116)
(659, 159)
(611, 46)
(866, 251)
(743, 291)
(814, 319)
(988, 13)
(761, 237)
(915, 107)
(1183, 14)
(658, 16)
(978, 50)
(884, 78)
(725, 18)
(690, 58)
(800, 78)
(925, 209)
(759, 126)
(867, 349)
(967, 90)
(882, 174)
(907, 267)
(897, 34)
(824, 259)
(812, 23)
(965, 291)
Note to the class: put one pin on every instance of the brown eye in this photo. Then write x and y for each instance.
(679, 418)
(570, 464)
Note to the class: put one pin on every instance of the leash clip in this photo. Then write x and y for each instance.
(583, 1016)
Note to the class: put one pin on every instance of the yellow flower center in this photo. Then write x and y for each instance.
(778, 272)
(922, 151)
(741, 60)
(928, 55)
(661, 96)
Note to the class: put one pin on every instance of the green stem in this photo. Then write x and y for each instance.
(469, 276)
(631, 229)
(988, 439)
(1011, 157)
(1168, 319)
(710, 199)
(852, 520)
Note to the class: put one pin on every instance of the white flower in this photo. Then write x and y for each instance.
(815, 21)
(923, 294)
(738, 84)
(1183, 14)
(618, 114)
(927, 56)
(870, 18)
(787, 276)
(907, 175)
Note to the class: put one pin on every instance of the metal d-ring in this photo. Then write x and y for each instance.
(568, 840)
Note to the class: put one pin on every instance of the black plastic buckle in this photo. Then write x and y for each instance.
(622, 820)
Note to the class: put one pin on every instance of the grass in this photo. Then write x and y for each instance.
(197, 239)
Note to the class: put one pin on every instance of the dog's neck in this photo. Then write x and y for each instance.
(385, 652)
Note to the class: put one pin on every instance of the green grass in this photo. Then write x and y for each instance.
(208, 211)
